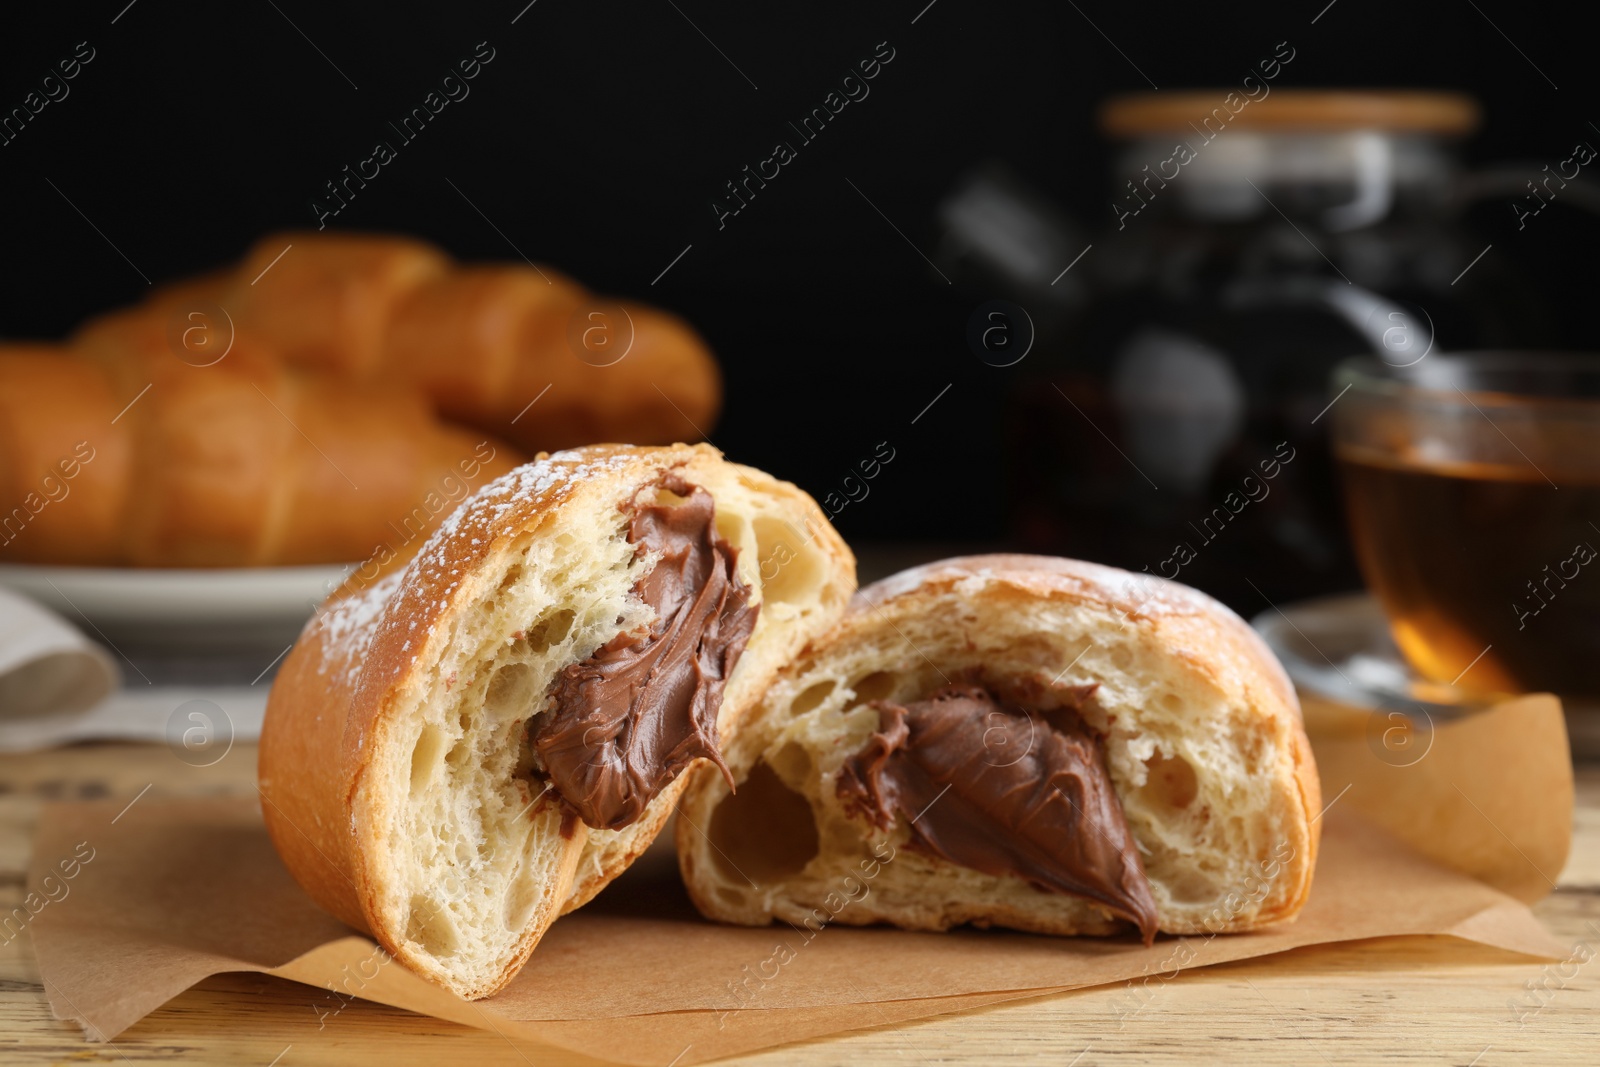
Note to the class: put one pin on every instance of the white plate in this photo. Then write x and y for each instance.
(171, 608)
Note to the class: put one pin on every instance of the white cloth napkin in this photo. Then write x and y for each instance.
(47, 668)
(57, 686)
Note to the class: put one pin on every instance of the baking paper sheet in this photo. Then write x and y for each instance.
(172, 892)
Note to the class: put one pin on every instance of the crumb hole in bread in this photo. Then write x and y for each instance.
(1170, 783)
(791, 568)
(735, 529)
(1122, 657)
(814, 695)
(1171, 702)
(429, 925)
(792, 763)
(765, 832)
(879, 685)
(551, 629)
(1188, 886)
(510, 693)
(425, 757)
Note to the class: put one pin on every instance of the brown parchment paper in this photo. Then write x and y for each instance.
(1489, 794)
(178, 891)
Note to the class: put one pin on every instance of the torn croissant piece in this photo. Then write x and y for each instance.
(456, 754)
(1015, 741)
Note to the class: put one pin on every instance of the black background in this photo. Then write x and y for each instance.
(599, 135)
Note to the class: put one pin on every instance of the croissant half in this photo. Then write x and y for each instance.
(1015, 741)
(457, 754)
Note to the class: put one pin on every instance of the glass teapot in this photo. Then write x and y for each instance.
(1176, 426)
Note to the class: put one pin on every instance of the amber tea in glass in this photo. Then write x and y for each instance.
(1472, 484)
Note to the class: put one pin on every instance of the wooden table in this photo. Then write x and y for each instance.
(1416, 1000)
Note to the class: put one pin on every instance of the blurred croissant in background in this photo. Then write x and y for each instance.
(298, 409)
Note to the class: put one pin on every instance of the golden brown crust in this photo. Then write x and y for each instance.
(301, 762)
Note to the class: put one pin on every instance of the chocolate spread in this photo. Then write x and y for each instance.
(627, 720)
(1003, 790)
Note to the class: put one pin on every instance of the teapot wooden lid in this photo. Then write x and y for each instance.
(1291, 110)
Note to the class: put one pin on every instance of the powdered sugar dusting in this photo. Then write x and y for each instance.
(1238, 662)
(1143, 594)
(350, 624)
(347, 625)
(483, 514)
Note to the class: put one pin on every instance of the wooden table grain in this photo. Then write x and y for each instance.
(1414, 1000)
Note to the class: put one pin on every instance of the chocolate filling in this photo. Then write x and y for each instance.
(1002, 789)
(631, 717)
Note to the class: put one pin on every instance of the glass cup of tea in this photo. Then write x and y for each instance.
(1472, 483)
